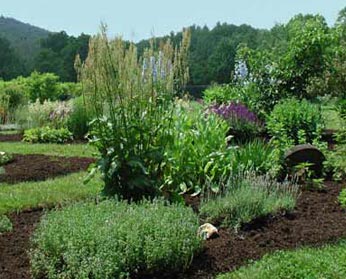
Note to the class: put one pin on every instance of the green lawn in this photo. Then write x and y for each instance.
(328, 262)
(67, 150)
(46, 193)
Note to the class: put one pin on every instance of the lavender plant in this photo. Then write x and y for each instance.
(132, 98)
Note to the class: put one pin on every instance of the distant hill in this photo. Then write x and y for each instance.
(24, 38)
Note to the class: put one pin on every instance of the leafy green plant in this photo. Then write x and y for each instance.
(295, 122)
(132, 99)
(257, 156)
(47, 135)
(342, 198)
(5, 224)
(196, 153)
(248, 198)
(305, 175)
(5, 158)
(114, 240)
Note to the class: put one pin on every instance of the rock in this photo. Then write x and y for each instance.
(207, 231)
(305, 153)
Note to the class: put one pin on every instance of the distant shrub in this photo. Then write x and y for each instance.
(114, 240)
(53, 114)
(47, 135)
(295, 121)
(79, 118)
(243, 123)
(249, 198)
(67, 90)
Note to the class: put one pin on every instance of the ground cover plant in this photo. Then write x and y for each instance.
(114, 240)
(325, 262)
(248, 198)
(342, 198)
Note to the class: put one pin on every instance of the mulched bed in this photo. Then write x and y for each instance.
(317, 220)
(11, 137)
(36, 167)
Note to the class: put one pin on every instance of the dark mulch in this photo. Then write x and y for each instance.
(36, 167)
(11, 137)
(317, 220)
(14, 262)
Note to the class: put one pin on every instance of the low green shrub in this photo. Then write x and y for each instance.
(47, 135)
(295, 122)
(248, 198)
(342, 198)
(335, 163)
(114, 240)
(326, 262)
(5, 158)
(5, 224)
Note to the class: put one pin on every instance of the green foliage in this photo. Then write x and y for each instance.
(342, 198)
(47, 135)
(5, 224)
(41, 86)
(132, 99)
(114, 240)
(5, 158)
(79, 118)
(222, 94)
(196, 153)
(335, 163)
(248, 198)
(326, 262)
(256, 156)
(295, 122)
(58, 52)
(10, 64)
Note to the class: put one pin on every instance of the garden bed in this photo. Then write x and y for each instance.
(37, 167)
(10, 137)
(317, 219)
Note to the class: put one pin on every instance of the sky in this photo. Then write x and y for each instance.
(139, 19)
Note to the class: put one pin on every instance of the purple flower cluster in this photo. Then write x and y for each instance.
(235, 111)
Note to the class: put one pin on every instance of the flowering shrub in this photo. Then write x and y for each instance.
(243, 123)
